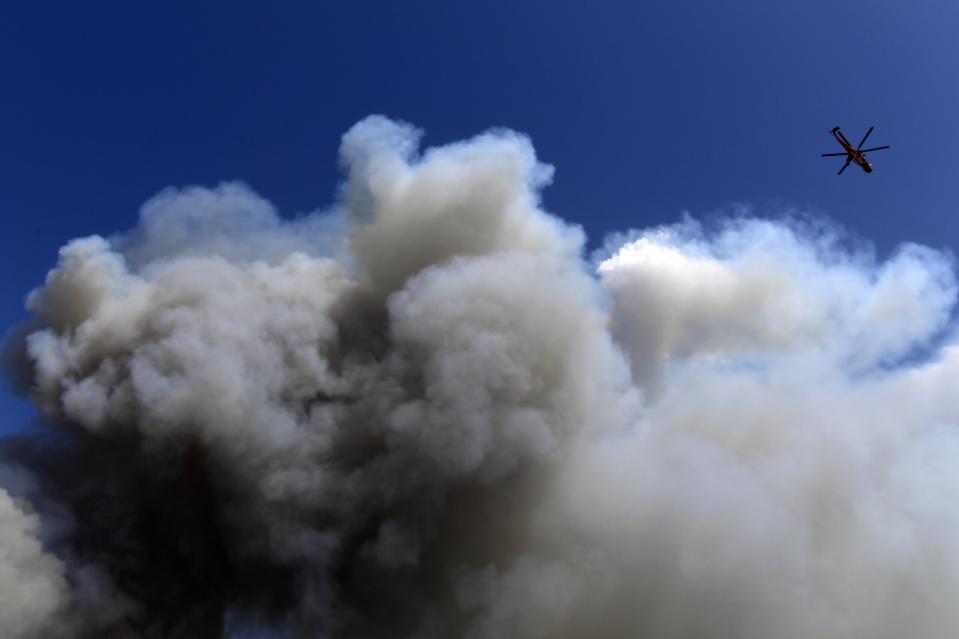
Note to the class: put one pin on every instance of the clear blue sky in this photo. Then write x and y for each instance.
(646, 109)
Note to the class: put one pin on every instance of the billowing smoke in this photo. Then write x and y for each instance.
(425, 414)
(33, 583)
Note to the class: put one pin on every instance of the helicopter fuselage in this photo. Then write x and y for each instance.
(855, 154)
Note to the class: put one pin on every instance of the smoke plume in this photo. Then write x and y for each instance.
(424, 413)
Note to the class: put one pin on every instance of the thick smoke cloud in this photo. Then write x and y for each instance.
(423, 414)
(32, 581)
(768, 289)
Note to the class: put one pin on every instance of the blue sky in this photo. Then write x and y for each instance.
(646, 109)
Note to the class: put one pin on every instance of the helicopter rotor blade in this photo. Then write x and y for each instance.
(844, 166)
(839, 134)
(829, 155)
(863, 141)
(875, 148)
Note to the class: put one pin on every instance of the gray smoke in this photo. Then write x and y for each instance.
(32, 581)
(423, 414)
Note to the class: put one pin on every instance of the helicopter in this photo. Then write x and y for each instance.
(857, 154)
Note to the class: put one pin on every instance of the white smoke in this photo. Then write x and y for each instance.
(763, 288)
(230, 221)
(422, 415)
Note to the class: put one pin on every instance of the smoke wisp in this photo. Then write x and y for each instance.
(425, 414)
